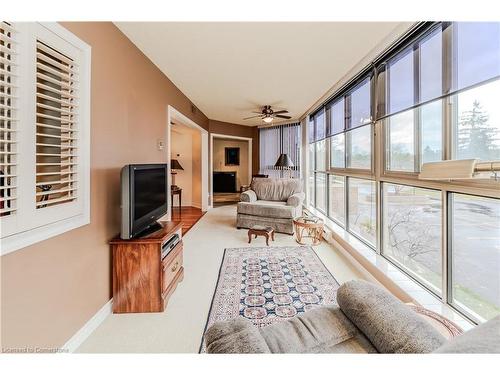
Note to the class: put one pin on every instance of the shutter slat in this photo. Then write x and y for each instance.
(55, 91)
(60, 164)
(7, 62)
(64, 76)
(55, 100)
(7, 210)
(56, 64)
(57, 182)
(56, 136)
(58, 191)
(55, 118)
(54, 174)
(7, 39)
(56, 146)
(55, 109)
(53, 80)
(7, 50)
(62, 128)
(53, 54)
(6, 27)
(5, 118)
(41, 154)
(8, 128)
(7, 72)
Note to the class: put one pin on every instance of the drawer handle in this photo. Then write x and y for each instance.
(174, 267)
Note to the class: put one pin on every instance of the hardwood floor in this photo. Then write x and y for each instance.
(188, 215)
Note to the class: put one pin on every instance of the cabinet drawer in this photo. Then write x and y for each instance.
(170, 266)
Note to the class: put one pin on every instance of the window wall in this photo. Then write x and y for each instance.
(277, 140)
(436, 99)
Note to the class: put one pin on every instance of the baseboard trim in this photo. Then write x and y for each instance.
(83, 333)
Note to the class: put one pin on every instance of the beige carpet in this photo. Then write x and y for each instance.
(179, 328)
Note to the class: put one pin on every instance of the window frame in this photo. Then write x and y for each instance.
(380, 175)
(58, 220)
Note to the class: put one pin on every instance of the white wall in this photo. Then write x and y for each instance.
(186, 143)
(242, 177)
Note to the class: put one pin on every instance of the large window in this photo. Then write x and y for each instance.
(475, 249)
(437, 99)
(362, 211)
(476, 123)
(359, 147)
(321, 191)
(412, 231)
(276, 140)
(336, 198)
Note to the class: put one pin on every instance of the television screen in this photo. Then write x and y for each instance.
(143, 198)
(149, 191)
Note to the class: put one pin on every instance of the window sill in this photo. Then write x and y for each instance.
(411, 288)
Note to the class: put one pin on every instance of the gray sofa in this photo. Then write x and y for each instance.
(271, 202)
(368, 320)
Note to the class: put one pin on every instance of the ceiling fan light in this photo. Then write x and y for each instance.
(267, 119)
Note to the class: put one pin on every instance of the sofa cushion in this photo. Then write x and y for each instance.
(276, 189)
(321, 330)
(267, 209)
(390, 325)
(235, 336)
(484, 338)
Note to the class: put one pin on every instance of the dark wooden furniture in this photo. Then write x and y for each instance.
(224, 182)
(259, 230)
(142, 280)
(176, 191)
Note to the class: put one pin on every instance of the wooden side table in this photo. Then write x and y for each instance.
(176, 191)
(314, 230)
(259, 230)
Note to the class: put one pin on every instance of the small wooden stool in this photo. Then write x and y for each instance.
(259, 230)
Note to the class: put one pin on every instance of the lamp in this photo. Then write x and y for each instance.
(174, 167)
(268, 119)
(284, 162)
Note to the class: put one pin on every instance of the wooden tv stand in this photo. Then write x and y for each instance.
(142, 281)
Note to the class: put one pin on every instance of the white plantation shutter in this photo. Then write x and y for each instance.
(56, 127)
(8, 121)
(45, 150)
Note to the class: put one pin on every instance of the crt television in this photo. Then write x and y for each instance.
(143, 198)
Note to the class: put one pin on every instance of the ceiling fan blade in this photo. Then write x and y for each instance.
(281, 116)
(260, 112)
(248, 118)
(282, 111)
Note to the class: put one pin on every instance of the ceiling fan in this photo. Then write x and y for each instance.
(267, 114)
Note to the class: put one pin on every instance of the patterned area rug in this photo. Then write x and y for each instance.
(269, 284)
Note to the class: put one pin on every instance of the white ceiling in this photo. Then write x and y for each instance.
(231, 69)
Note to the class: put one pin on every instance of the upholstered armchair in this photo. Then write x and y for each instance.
(273, 202)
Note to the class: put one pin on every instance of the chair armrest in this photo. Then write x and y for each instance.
(296, 199)
(248, 196)
(236, 336)
(390, 325)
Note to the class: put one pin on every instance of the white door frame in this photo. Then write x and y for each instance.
(216, 135)
(172, 114)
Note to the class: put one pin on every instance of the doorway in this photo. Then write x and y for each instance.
(231, 168)
(188, 180)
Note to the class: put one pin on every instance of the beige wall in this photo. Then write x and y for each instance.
(51, 289)
(186, 143)
(242, 177)
(219, 127)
